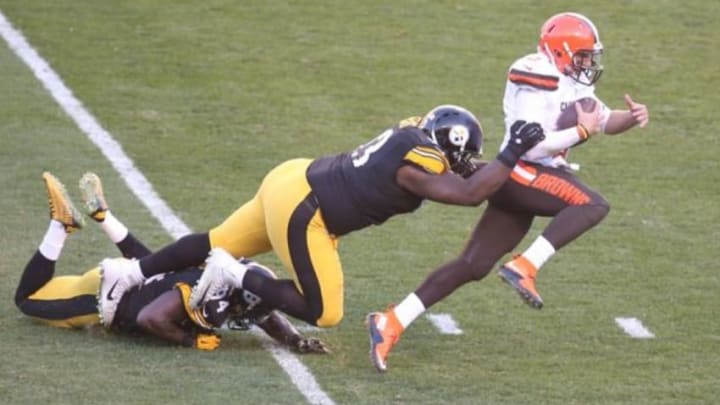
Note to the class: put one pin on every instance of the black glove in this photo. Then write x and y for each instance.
(523, 137)
(311, 345)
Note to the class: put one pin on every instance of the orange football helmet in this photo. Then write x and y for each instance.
(572, 42)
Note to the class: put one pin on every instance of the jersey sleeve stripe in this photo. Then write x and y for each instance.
(429, 159)
(544, 82)
(195, 315)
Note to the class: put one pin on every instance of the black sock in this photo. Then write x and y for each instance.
(37, 273)
(188, 251)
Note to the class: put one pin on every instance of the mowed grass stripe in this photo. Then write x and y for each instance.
(138, 184)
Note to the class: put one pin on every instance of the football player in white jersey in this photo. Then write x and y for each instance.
(541, 87)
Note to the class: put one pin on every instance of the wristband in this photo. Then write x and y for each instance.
(507, 158)
(583, 132)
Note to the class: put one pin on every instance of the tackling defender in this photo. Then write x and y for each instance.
(304, 206)
(158, 307)
(540, 86)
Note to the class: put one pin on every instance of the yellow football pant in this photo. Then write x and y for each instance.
(66, 301)
(282, 218)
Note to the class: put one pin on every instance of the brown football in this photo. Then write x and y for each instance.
(568, 116)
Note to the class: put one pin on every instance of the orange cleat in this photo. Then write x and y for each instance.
(520, 274)
(385, 331)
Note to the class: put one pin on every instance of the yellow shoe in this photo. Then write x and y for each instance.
(385, 331)
(61, 207)
(93, 197)
(520, 274)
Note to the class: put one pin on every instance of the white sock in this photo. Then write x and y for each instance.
(409, 309)
(53, 241)
(135, 272)
(114, 229)
(539, 252)
(240, 272)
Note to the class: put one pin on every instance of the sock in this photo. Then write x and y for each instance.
(114, 229)
(239, 273)
(539, 252)
(409, 309)
(135, 272)
(53, 241)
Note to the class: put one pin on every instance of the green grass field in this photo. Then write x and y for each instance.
(205, 97)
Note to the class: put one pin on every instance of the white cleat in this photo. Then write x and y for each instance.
(117, 276)
(222, 271)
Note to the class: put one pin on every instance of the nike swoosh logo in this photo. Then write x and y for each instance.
(109, 296)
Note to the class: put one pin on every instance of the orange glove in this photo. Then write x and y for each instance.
(207, 341)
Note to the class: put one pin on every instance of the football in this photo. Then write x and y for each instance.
(568, 116)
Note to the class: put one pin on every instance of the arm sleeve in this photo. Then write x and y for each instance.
(531, 105)
(197, 316)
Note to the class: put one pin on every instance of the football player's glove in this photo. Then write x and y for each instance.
(207, 341)
(311, 345)
(523, 137)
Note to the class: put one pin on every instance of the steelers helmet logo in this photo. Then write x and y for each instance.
(458, 136)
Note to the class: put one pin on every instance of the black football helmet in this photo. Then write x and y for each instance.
(458, 133)
(246, 308)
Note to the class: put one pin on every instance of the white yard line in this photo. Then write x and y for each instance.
(634, 328)
(138, 184)
(445, 324)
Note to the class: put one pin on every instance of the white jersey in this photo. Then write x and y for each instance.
(537, 91)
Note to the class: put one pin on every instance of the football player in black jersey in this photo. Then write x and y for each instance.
(303, 206)
(159, 306)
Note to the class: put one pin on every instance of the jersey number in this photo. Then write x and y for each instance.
(222, 306)
(361, 155)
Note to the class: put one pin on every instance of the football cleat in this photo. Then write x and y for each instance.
(520, 274)
(385, 331)
(117, 276)
(222, 272)
(61, 207)
(93, 197)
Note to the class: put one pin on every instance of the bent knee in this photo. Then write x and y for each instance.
(330, 318)
(597, 210)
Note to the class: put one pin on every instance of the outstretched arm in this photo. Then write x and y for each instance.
(450, 188)
(622, 120)
(280, 329)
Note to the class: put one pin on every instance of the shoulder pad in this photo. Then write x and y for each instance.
(536, 71)
(410, 122)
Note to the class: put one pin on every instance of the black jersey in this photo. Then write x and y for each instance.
(357, 189)
(240, 305)
(136, 298)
